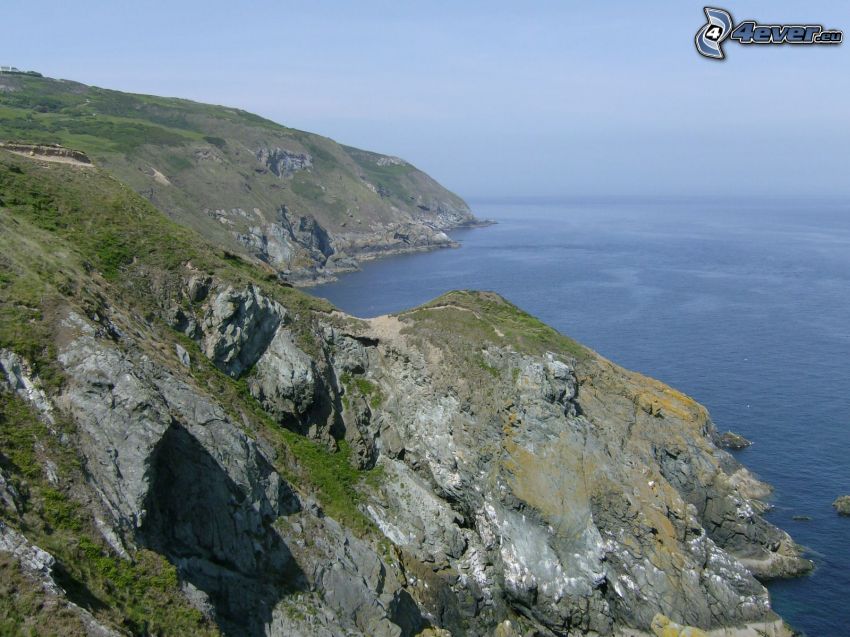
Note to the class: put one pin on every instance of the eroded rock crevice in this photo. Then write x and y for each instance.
(221, 539)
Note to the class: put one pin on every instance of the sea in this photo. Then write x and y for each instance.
(742, 303)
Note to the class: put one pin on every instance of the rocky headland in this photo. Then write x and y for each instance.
(191, 448)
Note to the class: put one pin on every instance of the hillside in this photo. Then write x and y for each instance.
(189, 447)
(302, 203)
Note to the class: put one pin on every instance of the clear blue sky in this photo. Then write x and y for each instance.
(491, 98)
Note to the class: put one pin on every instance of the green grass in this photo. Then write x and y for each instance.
(48, 96)
(304, 186)
(104, 220)
(36, 274)
(59, 512)
(390, 178)
(89, 133)
(218, 142)
(100, 120)
(485, 366)
(23, 330)
(476, 318)
(19, 434)
(337, 483)
(363, 386)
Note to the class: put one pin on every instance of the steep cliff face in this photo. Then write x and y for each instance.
(189, 447)
(301, 203)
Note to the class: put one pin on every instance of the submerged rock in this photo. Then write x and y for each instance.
(842, 505)
(731, 440)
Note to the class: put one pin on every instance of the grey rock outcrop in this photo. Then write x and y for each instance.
(288, 239)
(285, 379)
(238, 327)
(731, 440)
(306, 232)
(18, 377)
(10, 499)
(842, 505)
(182, 355)
(555, 510)
(34, 560)
(282, 162)
(181, 478)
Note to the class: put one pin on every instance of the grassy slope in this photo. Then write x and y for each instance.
(208, 155)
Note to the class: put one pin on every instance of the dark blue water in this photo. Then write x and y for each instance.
(743, 305)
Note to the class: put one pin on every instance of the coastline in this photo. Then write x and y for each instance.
(792, 563)
(314, 278)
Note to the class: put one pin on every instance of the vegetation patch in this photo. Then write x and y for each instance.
(364, 387)
(305, 187)
(104, 220)
(478, 318)
(74, 131)
(25, 610)
(218, 142)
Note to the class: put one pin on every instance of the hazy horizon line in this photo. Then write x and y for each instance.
(638, 197)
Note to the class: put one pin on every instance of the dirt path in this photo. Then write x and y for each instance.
(55, 154)
(386, 327)
(53, 158)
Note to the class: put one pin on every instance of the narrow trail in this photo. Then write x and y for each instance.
(53, 154)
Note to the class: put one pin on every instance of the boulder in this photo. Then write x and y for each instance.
(731, 440)
(663, 626)
(182, 355)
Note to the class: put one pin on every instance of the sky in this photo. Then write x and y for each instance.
(490, 98)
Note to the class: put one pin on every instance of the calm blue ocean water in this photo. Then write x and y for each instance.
(744, 305)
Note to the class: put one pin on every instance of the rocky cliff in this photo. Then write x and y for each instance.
(189, 447)
(301, 203)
